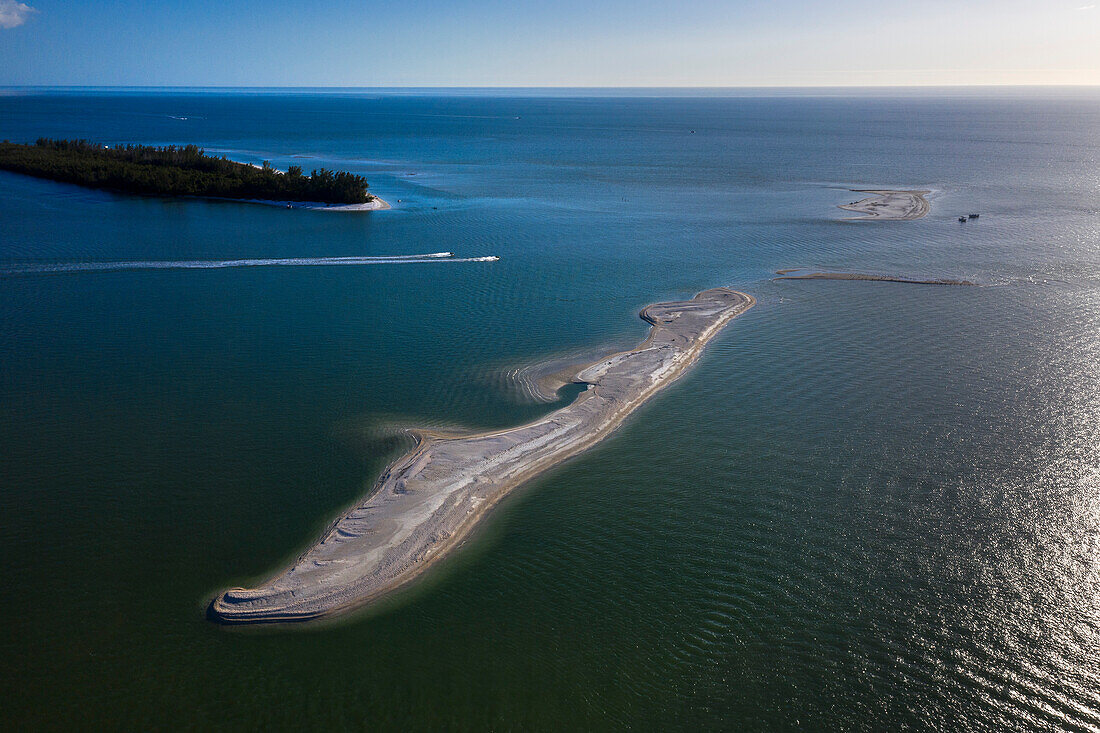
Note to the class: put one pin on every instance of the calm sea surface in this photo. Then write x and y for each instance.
(869, 506)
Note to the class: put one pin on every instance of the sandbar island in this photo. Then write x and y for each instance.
(428, 500)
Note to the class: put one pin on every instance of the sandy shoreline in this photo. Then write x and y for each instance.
(889, 205)
(428, 501)
(375, 204)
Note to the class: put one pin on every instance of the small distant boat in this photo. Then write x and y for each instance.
(963, 219)
(973, 216)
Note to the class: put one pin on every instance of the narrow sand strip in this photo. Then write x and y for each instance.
(886, 205)
(427, 501)
(861, 276)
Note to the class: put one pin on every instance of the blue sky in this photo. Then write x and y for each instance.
(563, 43)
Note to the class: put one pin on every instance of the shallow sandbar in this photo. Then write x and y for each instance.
(889, 205)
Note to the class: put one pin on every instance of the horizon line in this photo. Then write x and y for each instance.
(551, 86)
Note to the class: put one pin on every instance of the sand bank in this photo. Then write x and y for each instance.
(886, 205)
(861, 276)
(428, 500)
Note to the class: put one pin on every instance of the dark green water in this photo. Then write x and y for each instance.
(869, 506)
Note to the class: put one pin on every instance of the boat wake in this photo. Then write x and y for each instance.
(35, 268)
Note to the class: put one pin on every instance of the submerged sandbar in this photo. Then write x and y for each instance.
(428, 500)
(785, 275)
(885, 204)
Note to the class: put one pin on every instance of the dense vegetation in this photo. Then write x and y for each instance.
(176, 171)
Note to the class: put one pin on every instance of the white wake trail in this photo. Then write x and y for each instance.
(45, 268)
(432, 255)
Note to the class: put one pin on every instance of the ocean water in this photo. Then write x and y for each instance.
(870, 506)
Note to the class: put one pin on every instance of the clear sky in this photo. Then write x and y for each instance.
(560, 43)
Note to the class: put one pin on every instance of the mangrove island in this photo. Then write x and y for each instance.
(179, 171)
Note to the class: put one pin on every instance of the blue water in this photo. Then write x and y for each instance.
(870, 506)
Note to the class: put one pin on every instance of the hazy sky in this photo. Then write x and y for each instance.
(560, 43)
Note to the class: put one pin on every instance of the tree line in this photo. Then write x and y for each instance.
(176, 170)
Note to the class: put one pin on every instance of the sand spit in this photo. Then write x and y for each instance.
(886, 205)
(861, 276)
(428, 500)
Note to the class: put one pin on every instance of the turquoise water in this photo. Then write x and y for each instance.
(869, 506)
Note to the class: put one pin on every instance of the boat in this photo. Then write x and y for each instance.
(973, 216)
(963, 219)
